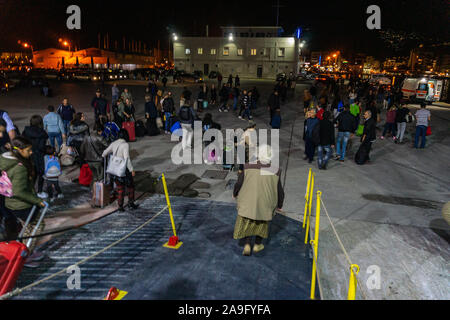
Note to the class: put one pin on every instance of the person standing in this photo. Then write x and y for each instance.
(423, 116)
(10, 127)
(38, 137)
(77, 130)
(273, 104)
(100, 105)
(237, 81)
(168, 109)
(310, 147)
(187, 117)
(307, 99)
(66, 112)
(115, 93)
(151, 113)
(54, 126)
(52, 173)
(223, 99)
(164, 81)
(213, 94)
(390, 123)
(259, 193)
(369, 135)
(346, 128)
(126, 95)
(219, 80)
(236, 93)
(120, 148)
(326, 142)
(400, 118)
(91, 151)
(230, 81)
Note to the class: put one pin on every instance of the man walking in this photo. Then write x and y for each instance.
(369, 135)
(326, 141)
(168, 109)
(273, 104)
(54, 126)
(346, 127)
(66, 112)
(100, 105)
(400, 118)
(423, 116)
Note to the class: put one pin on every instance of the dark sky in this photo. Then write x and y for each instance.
(329, 24)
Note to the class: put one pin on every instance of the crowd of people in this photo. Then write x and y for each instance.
(33, 161)
(335, 113)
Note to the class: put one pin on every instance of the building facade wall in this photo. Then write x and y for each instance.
(247, 57)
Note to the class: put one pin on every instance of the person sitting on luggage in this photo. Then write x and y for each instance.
(52, 173)
(120, 148)
(18, 166)
(129, 110)
(91, 151)
(77, 130)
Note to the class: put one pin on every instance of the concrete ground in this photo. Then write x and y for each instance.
(386, 213)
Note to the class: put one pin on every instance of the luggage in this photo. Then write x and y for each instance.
(13, 255)
(205, 104)
(85, 177)
(101, 192)
(152, 129)
(140, 129)
(159, 123)
(129, 127)
(428, 131)
(176, 128)
(362, 155)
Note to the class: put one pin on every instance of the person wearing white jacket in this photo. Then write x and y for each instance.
(120, 148)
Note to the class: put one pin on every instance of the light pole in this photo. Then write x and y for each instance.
(175, 38)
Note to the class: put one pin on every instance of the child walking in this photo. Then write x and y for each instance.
(52, 173)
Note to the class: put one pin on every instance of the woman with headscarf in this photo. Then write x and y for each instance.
(259, 193)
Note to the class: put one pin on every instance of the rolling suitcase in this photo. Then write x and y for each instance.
(129, 126)
(13, 255)
(101, 192)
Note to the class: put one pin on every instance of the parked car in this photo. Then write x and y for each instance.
(188, 77)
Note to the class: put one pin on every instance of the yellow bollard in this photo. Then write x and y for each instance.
(315, 245)
(353, 283)
(307, 197)
(309, 207)
(173, 243)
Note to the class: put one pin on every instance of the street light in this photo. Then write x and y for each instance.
(230, 37)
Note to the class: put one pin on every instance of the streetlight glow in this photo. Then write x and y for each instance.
(230, 37)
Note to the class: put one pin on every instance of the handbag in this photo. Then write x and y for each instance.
(159, 122)
(428, 131)
(117, 166)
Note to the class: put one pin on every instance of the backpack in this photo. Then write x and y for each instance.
(52, 167)
(316, 134)
(140, 129)
(185, 114)
(6, 187)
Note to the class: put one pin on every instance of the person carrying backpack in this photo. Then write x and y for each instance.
(168, 109)
(325, 141)
(346, 128)
(52, 173)
(187, 117)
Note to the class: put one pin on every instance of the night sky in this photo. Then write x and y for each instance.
(328, 25)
